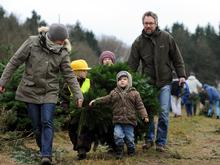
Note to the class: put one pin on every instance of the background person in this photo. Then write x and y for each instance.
(214, 97)
(194, 87)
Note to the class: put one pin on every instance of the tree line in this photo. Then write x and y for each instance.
(200, 50)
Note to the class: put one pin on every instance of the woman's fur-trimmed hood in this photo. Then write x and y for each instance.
(67, 44)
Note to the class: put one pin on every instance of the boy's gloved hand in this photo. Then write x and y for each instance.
(92, 103)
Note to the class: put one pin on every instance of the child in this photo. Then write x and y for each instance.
(82, 143)
(125, 101)
(107, 58)
(80, 68)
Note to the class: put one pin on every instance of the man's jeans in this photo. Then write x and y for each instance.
(42, 122)
(163, 118)
(124, 133)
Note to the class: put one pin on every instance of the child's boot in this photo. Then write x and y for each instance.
(131, 151)
(119, 152)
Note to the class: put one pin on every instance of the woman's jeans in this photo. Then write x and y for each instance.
(163, 118)
(42, 122)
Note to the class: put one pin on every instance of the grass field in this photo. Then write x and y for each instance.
(192, 141)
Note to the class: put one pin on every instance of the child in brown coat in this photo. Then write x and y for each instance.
(125, 100)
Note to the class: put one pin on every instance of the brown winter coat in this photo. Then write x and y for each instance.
(158, 54)
(40, 80)
(125, 105)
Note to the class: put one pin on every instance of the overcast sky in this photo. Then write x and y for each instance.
(119, 18)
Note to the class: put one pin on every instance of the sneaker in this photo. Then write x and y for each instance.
(46, 161)
(81, 154)
(161, 148)
(147, 145)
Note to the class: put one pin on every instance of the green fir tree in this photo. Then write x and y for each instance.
(98, 119)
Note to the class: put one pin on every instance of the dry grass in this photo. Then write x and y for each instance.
(192, 141)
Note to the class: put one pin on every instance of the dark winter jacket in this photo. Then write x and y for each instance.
(124, 105)
(158, 54)
(40, 80)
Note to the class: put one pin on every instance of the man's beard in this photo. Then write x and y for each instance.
(149, 31)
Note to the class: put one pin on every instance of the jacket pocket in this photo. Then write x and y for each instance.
(28, 82)
(53, 86)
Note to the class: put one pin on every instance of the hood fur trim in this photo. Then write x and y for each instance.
(67, 45)
(43, 29)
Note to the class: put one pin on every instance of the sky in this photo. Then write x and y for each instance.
(119, 18)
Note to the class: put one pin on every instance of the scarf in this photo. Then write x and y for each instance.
(56, 48)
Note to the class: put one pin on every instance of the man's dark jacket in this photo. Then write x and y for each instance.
(159, 55)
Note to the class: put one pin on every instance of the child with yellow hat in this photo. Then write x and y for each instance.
(80, 68)
(81, 143)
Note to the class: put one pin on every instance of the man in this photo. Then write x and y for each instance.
(45, 56)
(157, 52)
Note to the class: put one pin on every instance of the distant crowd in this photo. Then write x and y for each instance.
(192, 94)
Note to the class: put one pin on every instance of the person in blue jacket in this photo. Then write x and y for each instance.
(186, 101)
(214, 97)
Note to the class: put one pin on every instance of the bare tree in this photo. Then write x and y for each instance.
(81, 50)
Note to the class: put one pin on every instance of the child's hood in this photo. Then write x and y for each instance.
(127, 74)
